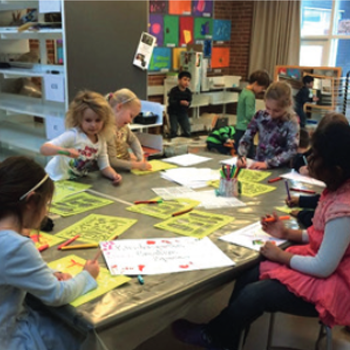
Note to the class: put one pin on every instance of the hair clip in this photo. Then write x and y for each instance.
(110, 96)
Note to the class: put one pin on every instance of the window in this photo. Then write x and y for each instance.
(325, 34)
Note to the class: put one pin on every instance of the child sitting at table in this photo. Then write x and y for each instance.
(126, 106)
(221, 140)
(77, 150)
(25, 191)
(308, 279)
(278, 130)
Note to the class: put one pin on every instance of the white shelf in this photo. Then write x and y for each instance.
(143, 126)
(29, 137)
(6, 5)
(29, 106)
(35, 71)
(11, 33)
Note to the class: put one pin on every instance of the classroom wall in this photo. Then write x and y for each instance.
(241, 15)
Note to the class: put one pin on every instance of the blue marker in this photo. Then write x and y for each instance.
(305, 160)
(140, 279)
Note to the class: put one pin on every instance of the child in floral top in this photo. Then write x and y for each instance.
(277, 127)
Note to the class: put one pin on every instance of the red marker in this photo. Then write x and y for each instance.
(68, 242)
(302, 190)
(43, 247)
(274, 180)
(272, 219)
(149, 202)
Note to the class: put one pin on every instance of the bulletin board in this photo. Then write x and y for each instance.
(177, 23)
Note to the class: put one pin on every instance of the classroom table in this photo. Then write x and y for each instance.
(129, 315)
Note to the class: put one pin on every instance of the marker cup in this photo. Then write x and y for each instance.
(230, 188)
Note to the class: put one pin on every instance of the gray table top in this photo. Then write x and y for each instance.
(133, 299)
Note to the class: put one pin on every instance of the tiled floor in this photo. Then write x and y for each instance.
(290, 331)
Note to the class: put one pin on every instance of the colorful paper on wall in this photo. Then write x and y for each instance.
(222, 30)
(207, 48)
(202, 8)
(176, 57)
(162, 255)
(73, 265)
(77, 204)
(177, 7)
(157, 165)
(42, 238)
(144, 51)
(171, 30)
(186, 30)
(196, 223)
(67, 188)
(165, 209)
(161, 59)
(158, 6)
(156, 28)
(203, 28)
(220, 57)
(95, 228)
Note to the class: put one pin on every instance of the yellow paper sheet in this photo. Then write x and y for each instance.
(288, 210)
(96, 228)
(249, 175)
(42, 238)
(165, 209)
(249, 189)
(157, 165)
(72, 264)
(78, 203)
(67, 188)
(196, 223)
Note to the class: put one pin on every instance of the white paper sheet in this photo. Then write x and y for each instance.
(252, 237)
(187, 159)
(54, 87)
(233, 161)
(293, 175)
(162, 255)
(168, 193)
(46, 6)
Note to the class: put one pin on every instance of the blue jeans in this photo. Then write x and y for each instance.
(250, 299)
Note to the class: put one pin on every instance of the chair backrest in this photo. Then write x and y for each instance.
(219, 122)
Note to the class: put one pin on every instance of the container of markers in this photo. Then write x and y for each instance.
(230, 187)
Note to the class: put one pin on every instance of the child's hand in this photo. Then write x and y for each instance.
(73, 153)
(184, 103)
(92, 267)
(293, 202)
(241, 162)
(271, 251)
(275, 228)
(258, 166)
(116, 179)
(303, 170)
(143, 166)
(61, 276)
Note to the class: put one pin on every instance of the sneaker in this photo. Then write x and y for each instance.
(191, 333)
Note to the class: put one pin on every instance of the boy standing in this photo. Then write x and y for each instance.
(304, 95)
(180, 98)
(258, 81)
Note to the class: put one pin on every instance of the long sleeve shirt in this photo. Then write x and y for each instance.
(245, 109)
(220, 136)
(278, 139)
(175, 96)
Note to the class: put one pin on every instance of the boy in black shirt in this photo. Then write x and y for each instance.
(180, 98)
(302, 97)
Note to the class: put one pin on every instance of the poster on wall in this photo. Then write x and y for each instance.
(156, 28)
(177, 7)
(176, 57)
(220, 57)
(203, 28)
(158, 6)
(144, 51)
(171, 31)
(222, 30)
(186, 31)
(207, 48)
(202, 8)
(161, 59)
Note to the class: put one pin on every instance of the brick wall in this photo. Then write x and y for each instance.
(241, 15)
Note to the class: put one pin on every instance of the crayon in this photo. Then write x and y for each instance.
(274, 180)
(302, 190)
(272, 219)
(80, 246)
(43, 247)
(68, 242)
(182, 212)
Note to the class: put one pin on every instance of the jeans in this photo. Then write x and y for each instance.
(238, 135)
(184, 122)
(250, 299)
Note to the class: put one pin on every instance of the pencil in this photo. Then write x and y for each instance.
(182, 212)
(114, 237)
(272, 219)
(287, 189)
(80, 246)
(97, 255)
(302, 190)
(149, 202)
(68, 242)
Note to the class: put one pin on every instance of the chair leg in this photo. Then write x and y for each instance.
(270, 331)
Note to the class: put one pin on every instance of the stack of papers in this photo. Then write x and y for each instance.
(191, 177)
(233, 161)
(252, 237)
(293, 175)
(187, 159)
